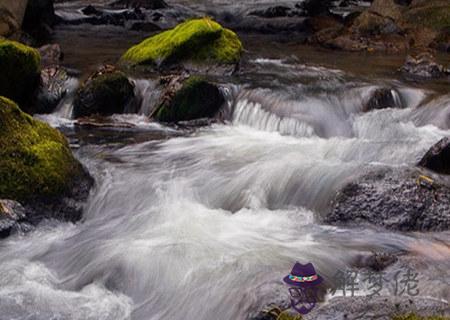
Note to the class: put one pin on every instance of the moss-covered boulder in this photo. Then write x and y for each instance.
(198, 40)
(107, 92)
(35, 159)
(19, 72)
(197, 98)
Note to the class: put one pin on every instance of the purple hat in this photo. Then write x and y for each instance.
(304, 276)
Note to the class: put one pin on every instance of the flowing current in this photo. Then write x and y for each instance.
(204, 225)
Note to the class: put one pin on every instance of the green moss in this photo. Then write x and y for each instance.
(196, 99)
(35, 159)
(197, 40)
(436, 17)
(20, 68)
(106, 94)
(417, 317)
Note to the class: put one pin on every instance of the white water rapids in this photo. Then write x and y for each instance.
(205, 226)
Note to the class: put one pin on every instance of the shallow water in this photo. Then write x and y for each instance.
(204, 225)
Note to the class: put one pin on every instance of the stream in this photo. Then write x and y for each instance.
(205, 224)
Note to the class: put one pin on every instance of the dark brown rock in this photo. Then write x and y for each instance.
(106, 92)
(438, 157)
(383, 98)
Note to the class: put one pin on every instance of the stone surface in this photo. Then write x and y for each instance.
(11, 212)
(191, 99)
(106, 92)
(403, 200)
(438, 157)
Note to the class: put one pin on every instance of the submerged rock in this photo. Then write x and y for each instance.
(314, 8)
(191, 99)
(106, 92)
(383, 98)
(438, 157)
(11, 212)
(20, 69)
(147, 4)
(198, 41)
(272, 12)
(423, 65)
(37, 167)
(395, 199)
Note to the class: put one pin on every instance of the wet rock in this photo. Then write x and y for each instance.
(387, 8)
(106, 92)
(51, 55)
(278, 25)
(91, 11)
(395, 199)
(377, 261)
(438, 157)
(188, 99)
(20, 70)
(340, 40)
(11, 212)
(369, 23)
(272, 12)
(39, 18)
(147, 4)
(314, 8)
(156, 16)
(383, 98)
(37, 167)
(423, 65)
(119, 18)
(377, 307)
(52, 90)
(198, 41)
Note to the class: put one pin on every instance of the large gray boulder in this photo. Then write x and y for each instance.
(395, 199)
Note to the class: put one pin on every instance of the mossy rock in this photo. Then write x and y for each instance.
(196, 99)
(35, 159)
(104, 94)
(413, 316)
(20, 69)
(198, 40)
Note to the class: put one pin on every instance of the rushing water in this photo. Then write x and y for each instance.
(204, 225)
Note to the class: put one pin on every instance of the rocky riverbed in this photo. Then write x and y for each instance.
(174, 159)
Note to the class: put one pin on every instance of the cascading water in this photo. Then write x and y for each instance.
(204, 226)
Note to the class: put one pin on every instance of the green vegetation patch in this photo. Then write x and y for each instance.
(35, 159)
(20, 68)
(198, 40)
